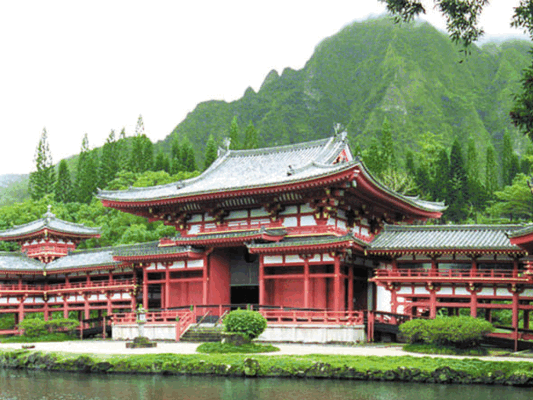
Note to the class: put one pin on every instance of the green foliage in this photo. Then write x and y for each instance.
(42, 179)
(444, 350)
(34, 327)
(514, 202)
(63, 192)
(222, 348)
(234, 135)
(210, 152)
(250, 323)
(460, 332)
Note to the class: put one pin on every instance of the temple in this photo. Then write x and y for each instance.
(303, 227)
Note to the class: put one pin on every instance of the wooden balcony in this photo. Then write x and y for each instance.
(416, 275)
(65, 287)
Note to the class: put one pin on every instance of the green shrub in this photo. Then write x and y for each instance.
(34, 327)
(460, 332)
(249, 323)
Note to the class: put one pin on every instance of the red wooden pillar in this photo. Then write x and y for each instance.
(21, 309)
(205, 280)
(337, 284)
(306, 281)
(473, 301)
(473, 269)
(262, 294)
(109, 304)
(515, 318)
(65, 306)
(87, 309)
(45, 311)
(145, 288)
(350, 288)
(167, 286)
(432, 301)
(111, 277)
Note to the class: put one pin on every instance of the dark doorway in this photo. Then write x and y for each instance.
(245, 294)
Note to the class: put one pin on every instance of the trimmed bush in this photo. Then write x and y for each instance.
(34, 327)
(246, 322)
(460, 332)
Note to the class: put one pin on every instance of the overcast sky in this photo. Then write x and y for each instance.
(76, 67)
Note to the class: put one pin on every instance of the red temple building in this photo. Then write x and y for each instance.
(303, 227)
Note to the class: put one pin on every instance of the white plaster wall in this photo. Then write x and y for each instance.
(152, 332)
(383, 302)
(313, 333)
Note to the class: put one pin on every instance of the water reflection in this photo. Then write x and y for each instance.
(23, 385)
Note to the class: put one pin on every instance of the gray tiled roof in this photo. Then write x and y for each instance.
(11, 261)
(245, 169)
(50, 222)
(238, 169)
(84, 259)
(149, 249)
(308, 241)
(231, 235)
(444, 237)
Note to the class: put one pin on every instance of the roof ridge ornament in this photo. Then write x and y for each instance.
(48, 215)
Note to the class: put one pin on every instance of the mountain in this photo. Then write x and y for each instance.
(13, 188)
(410, 74)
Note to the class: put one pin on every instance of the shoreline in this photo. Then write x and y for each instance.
(373, 362)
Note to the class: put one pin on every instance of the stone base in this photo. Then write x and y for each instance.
(314, 333)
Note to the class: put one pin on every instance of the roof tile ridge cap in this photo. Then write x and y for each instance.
(274, 149)
(317, 164)
(78, 224)
(22, 225)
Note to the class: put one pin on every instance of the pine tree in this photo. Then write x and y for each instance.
(507, 160)
(442, 173)
(123, 151)
(109, 162)
(63, 188)
(235, 143)
(251, 141)
(162, 163)
(491, 171)
(188, 160)
(42, 180)
(457, 197)
(210, 152)
(175, 157)
(87, 173)
(410, 165)
(387, 147)
(139, 129)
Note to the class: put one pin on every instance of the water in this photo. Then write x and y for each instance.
(28, 385)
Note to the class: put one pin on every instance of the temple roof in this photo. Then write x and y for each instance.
(51, 223)
(404, 238)
(271, 168)
(307, 241)
(84, 259)
(242, 169)
(151, 249)
(11, 261)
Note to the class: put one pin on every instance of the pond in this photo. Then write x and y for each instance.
(31, 385)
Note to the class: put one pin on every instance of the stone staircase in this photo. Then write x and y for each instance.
(202, 334)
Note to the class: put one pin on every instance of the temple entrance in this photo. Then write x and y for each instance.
(245, 294)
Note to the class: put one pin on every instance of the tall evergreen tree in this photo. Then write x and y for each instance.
(87, 173)
(210, 152)
(123, 151)
(63, 188)
(139, 128)
(507, 156)
(456, 198)
(235, 142)
(491, 171)
(175, 157)
(109, 162)
(187, 157)
(387, 146)
(442, 174)
(251, 140)
(42, 180)
(162, 163)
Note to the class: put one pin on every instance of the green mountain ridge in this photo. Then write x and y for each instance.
(410, 74)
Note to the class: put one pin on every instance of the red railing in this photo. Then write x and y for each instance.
(244, 225)
(66, 286)
(303, 317)
(182, 319)
(413, 273)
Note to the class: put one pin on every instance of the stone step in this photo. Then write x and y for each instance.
(202, 334)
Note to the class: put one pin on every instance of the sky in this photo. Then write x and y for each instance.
(87, 67)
